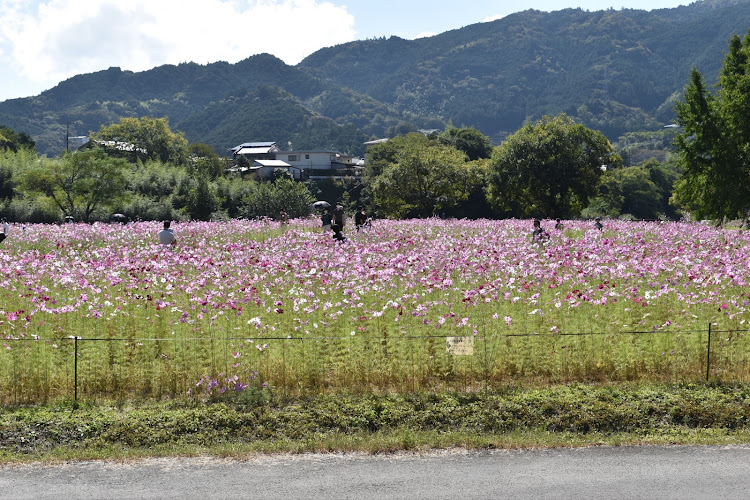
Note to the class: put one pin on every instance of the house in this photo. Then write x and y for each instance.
(322, 164)
(252, 151)
(263, 158)
(264, 169)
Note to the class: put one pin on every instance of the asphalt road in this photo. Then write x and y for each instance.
(685, 472)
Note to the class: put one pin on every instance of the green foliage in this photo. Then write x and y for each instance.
(629, 191)
(425, 179)
(79, 184)
(714, 143)
(143, 139)
(592, 414)
(15, 141)
(613, 70)
(231, 192)
(267, 199)
(202, 200)
(548, 169)
(269, 114)
(347, 191)
(469, 140)
(204, 161)
(12, 162)
(401, 128)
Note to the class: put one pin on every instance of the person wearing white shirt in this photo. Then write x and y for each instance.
(167, 236)
(6, 229)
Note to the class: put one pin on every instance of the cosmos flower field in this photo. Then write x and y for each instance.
(252, 306)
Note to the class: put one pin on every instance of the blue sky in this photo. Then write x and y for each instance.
(43, 42)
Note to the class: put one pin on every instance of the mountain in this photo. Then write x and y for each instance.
(614, 70)
(186, 93)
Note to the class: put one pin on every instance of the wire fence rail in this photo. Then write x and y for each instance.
(39, 370)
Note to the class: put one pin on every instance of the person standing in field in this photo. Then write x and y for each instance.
(167, 236)
(598, 224)
(539, 235)
(558, 225)
(360, 218)
(6, 229)
(326, 220)
(338, 216)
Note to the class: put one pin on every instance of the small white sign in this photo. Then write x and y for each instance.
(460, 346)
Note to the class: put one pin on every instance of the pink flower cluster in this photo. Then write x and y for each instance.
(255, 278)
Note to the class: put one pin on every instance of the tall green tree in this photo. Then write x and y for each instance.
(426, 178)
(549, 168)
(471, 141)
(144, 139)
(202, 200)
(713, 147)
(79, 183)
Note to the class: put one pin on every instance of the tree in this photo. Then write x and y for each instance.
(11, 163)
(471, 141)
(266, 199)
(202, 200)
(549, 168)
(205, 161)
(79, 183)
(14, 141)
(425, 178)
(145, 138)
(713, 147)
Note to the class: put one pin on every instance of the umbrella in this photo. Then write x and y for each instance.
(321, 205)
(118, 218)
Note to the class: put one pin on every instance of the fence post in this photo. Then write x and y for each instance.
(75, 369)
(708, 353)
(486, 374)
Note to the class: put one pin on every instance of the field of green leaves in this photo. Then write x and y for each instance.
(103, 311)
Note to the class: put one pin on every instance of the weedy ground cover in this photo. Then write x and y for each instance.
(570, 415)
(405, 306)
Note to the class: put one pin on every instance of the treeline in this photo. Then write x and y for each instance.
(153, 174)
(143, 170)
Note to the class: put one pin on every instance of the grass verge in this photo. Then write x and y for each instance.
(579, 415)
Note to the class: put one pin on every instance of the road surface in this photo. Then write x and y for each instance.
(679, 472)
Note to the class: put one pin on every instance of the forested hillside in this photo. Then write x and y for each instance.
(616, 71)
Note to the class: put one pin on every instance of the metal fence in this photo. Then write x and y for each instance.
(38, 370)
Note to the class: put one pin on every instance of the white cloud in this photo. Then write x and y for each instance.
(425, 34)
(57, 39)
(495, 17)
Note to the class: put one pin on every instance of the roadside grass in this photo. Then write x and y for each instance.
(575, 415)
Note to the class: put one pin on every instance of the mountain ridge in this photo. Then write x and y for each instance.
(613, 70)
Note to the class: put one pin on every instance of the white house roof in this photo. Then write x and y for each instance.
(253, 151)
(252, 145)
(376, 141)
(271, 163)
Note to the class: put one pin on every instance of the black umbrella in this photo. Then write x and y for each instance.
(319, 205)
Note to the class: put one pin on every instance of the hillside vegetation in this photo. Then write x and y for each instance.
(616, 71)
